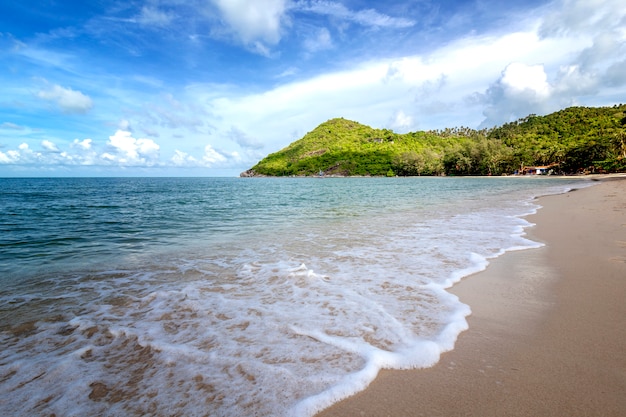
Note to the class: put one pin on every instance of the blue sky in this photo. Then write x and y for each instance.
(209, 87)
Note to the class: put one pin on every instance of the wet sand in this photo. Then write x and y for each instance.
(547, 334)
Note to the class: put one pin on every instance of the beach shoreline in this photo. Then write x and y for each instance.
(546, 335)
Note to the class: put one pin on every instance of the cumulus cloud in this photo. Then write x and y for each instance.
(83, 152)
(401, 122)
(572, 80)
(79, 153)
(595, 65)
(82, 145)
(68, 100)
(9, 157)
(122, 149)
(49, 146)
(593, 39)
(521, 79)
(125, 149)
(522, 89)
(256, 23)
(212, 157)
(605, 47)
(22, 155)
(183, 159)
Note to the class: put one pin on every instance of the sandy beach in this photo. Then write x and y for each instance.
(547, 334)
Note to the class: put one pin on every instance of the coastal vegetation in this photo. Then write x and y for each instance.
(576, 139)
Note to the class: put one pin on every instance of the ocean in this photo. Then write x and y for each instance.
(237, 297)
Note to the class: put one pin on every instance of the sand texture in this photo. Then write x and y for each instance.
(547, 333)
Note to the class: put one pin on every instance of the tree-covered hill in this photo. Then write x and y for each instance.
(574, 138)
(569, 141)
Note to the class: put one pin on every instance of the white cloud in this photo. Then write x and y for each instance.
(84, 153)
(23, 155)
(254, 22)
(367, 17)
(605, 47)
(51, 156)
(571, 80)
(521, 79)
(212, 157)
(592, 36)
(521, 90)
(600, 30)
(84, 144)
(68, 100)
(401, 122)
(108, 157)
(181, 158)
(125, 149)
(318, 42)
(49, 146)
(9, 157)
(121, 150)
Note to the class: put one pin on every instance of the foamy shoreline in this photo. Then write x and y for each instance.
(546, 335)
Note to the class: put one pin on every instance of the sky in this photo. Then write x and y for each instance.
(210, 87)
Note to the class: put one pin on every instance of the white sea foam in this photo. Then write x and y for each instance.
(287, 326)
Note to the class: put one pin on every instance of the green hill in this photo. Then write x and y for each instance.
(570, 140)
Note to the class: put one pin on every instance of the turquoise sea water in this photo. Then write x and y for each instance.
(230, 297)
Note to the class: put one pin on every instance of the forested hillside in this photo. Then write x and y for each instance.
(573, 140)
